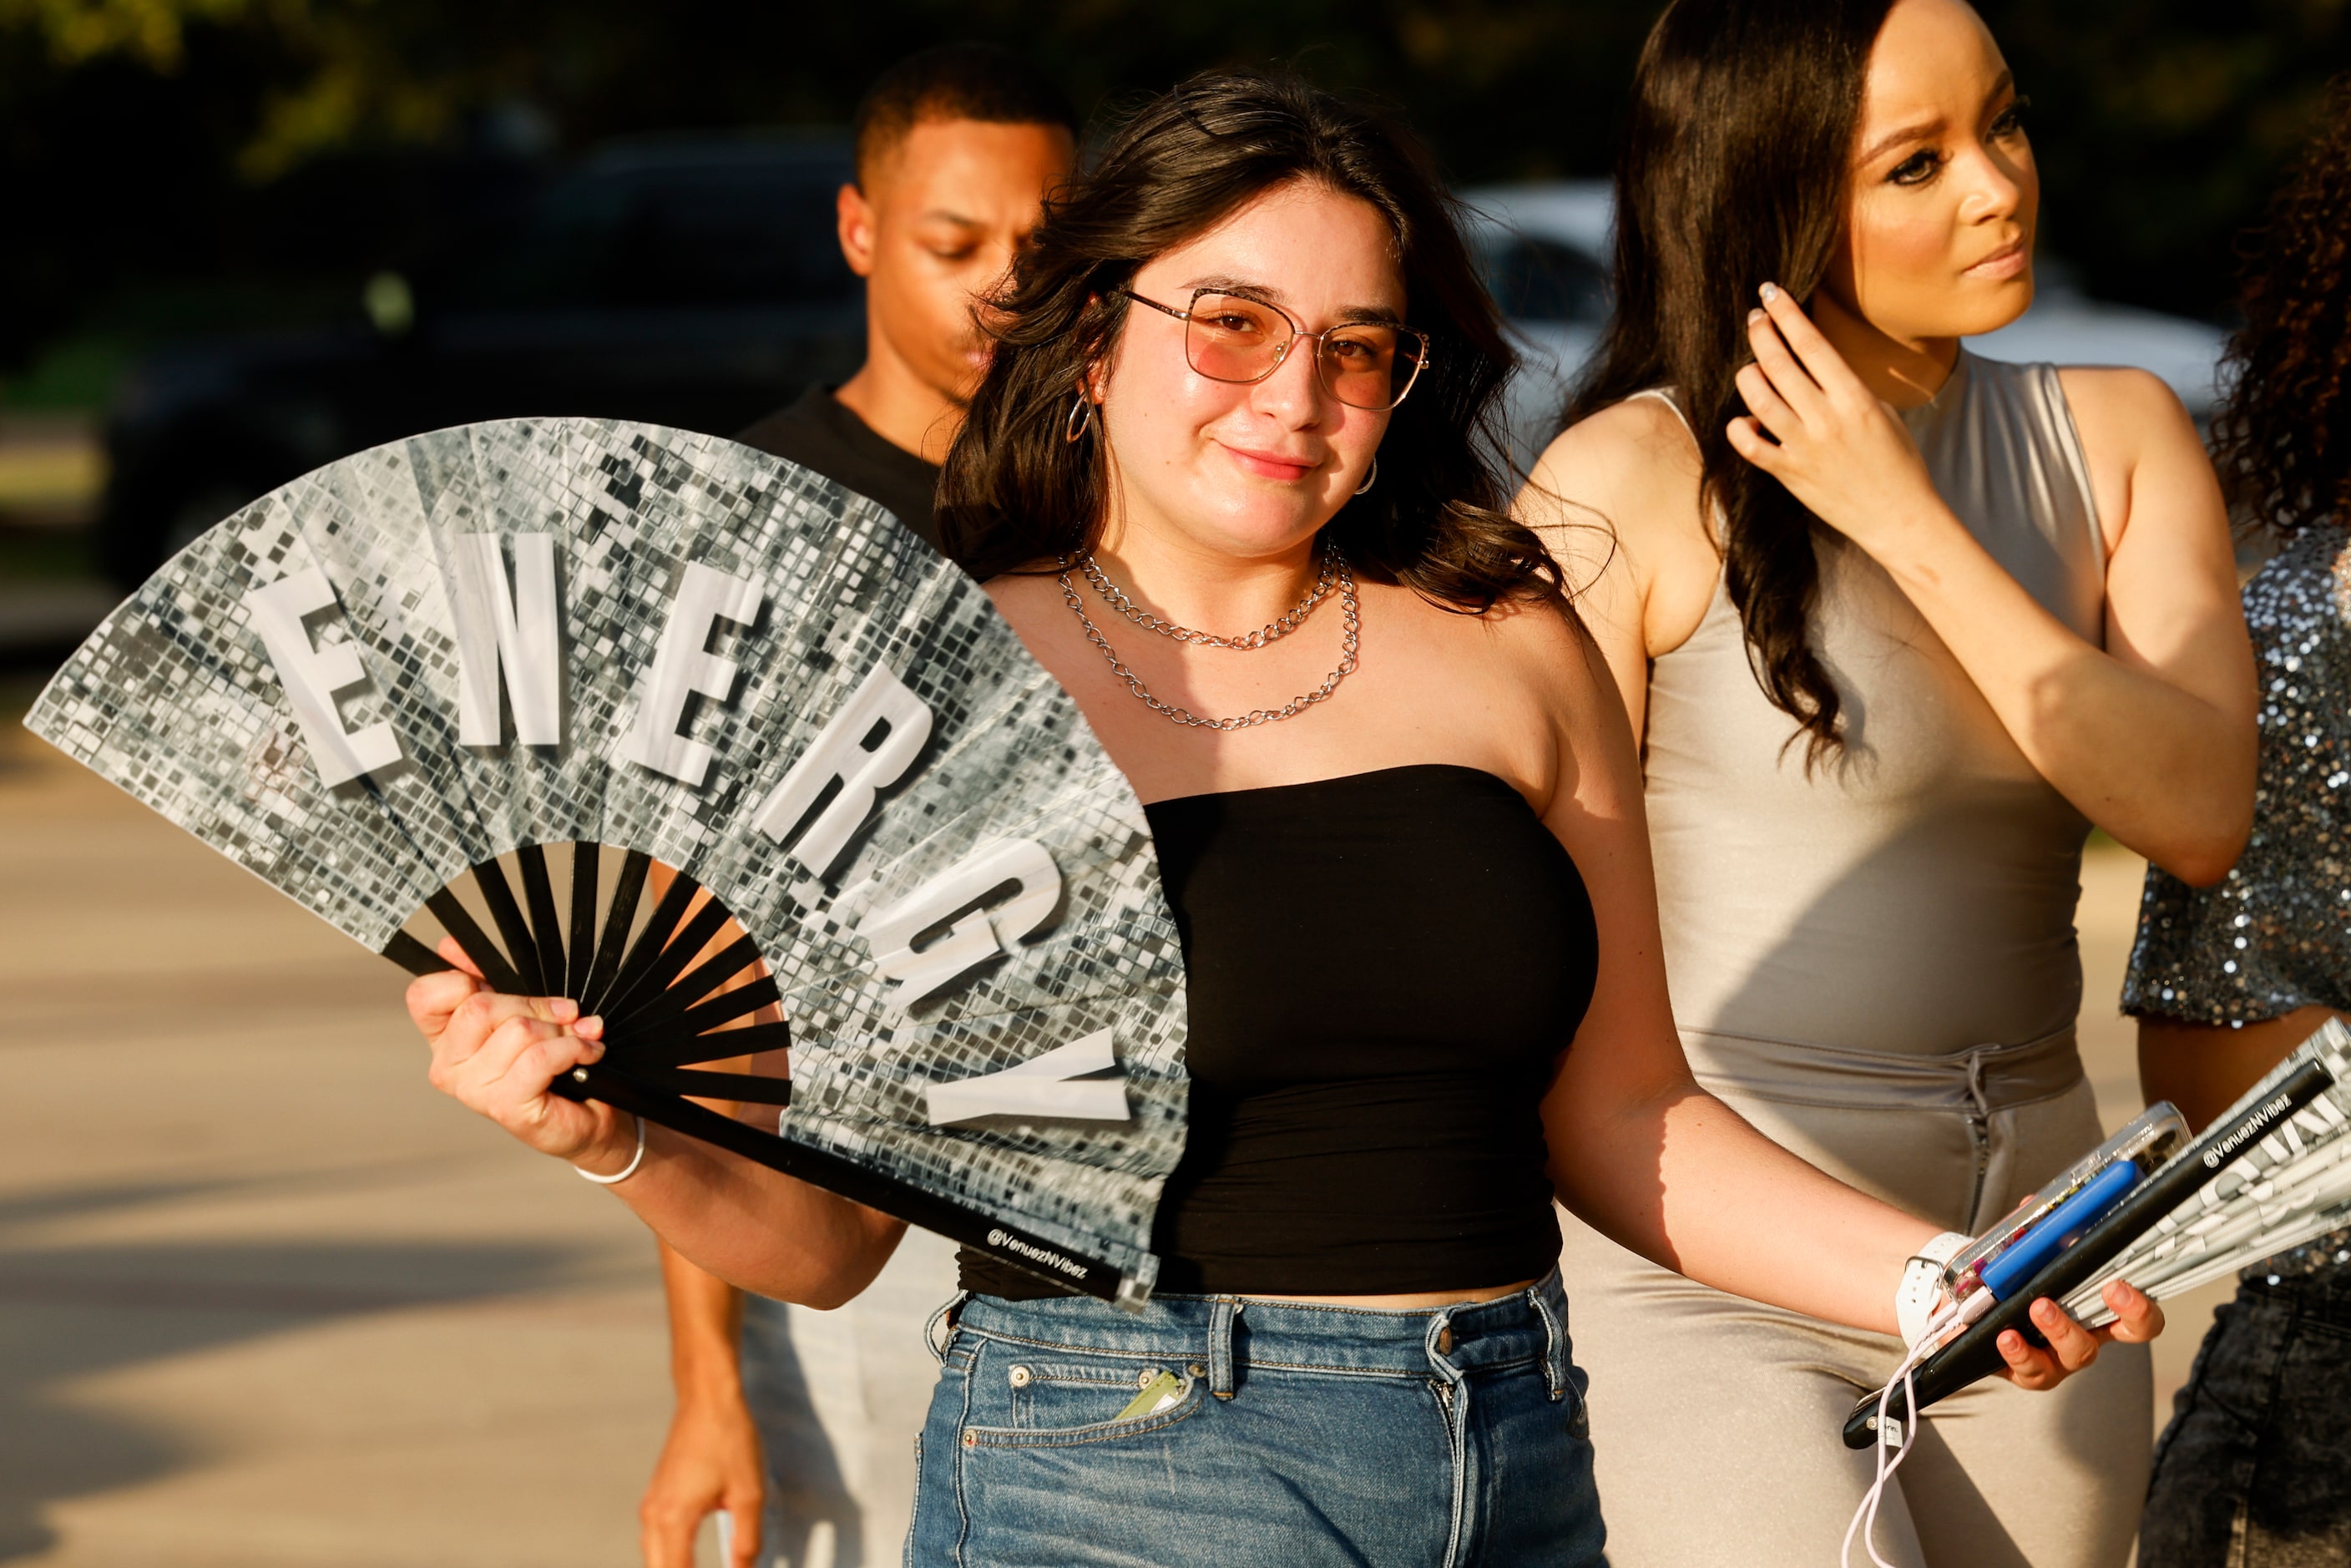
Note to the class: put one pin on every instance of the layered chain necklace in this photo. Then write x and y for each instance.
(1333, 573)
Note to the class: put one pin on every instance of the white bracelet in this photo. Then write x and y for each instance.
(626, 1171)
(1922, 1282)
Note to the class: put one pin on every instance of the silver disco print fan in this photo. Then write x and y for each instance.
(716, 748)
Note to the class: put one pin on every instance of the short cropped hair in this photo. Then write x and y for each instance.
(955, 81)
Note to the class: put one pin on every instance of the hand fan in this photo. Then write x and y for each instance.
(695, 737)
(2282, 1165)
(2270, 1173)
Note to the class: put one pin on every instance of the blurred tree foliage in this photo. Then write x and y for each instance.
(2161, 126)
(141, 139)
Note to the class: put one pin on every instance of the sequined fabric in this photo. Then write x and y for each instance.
(2275, 934)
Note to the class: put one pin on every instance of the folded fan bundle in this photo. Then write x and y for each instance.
(2269, 1174)
(716, 747)
(2288, 1183)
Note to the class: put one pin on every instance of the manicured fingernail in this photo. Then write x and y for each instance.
(1769, 292)
(1755, 316)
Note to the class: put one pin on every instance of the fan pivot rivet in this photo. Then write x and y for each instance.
(579, 1075)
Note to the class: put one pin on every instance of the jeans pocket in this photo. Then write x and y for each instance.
(1066, 1400)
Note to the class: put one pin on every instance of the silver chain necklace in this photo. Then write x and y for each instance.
(1273, 631)
(1337, 566)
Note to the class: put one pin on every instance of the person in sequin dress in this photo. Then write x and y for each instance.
(2254, 1469)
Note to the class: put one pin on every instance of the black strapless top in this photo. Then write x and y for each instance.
(1383, 971)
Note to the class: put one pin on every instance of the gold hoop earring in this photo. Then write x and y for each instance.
(1371, 478)
(1081, 420)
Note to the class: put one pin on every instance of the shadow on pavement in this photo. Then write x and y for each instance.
(72, 1314)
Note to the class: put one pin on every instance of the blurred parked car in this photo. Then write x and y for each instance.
(1546, 248)
(695, 283)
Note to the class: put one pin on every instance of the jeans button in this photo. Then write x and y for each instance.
(1019, 1378)
(1195, 1368)
(1444, 1340)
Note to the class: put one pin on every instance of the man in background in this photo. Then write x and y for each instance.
(956, 149)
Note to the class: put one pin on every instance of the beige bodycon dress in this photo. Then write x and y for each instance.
(1876, 966)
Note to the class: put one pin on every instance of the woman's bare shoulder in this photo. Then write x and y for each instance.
(1551, 655)
(2120, 395)
(1634, 451)
(2121, 411)
(1632, 468)
(1617, 500)
(2138, 439)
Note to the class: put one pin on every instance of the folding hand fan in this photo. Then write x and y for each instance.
(2270, 1173)
(492, 681)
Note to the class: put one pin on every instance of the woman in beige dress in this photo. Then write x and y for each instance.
(1897, 625)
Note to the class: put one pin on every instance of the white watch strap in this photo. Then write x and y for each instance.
(626, 1171)
(1922, 1284)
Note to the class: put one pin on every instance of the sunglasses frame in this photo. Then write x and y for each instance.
(1281, 354)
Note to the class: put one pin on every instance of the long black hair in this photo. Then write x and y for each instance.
(1016, 493)
(1734, 174)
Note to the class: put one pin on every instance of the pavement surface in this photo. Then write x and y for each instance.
(268, 1301)
(265, 1298)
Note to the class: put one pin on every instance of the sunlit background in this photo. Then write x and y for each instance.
(264, 1301)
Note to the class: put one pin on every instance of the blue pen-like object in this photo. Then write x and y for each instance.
(2038, 1247)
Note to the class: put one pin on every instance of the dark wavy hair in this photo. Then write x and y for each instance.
(1733, 173)
(2282, 439)
(1016, 494)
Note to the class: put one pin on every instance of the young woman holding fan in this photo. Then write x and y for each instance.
(1895, 624)
(1246, 377)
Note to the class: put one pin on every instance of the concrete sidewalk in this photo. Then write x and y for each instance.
(265, 1298)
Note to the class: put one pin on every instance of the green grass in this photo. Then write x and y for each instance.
(73, 375)
(76, 372)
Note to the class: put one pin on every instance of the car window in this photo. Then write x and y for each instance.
(1536, 280)
(662, 238)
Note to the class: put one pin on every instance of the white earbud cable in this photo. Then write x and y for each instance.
(1864, 1517)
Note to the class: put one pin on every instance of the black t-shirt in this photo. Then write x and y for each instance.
(821, 432)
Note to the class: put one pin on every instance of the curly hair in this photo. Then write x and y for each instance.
(2282, 439)
(1016, 494)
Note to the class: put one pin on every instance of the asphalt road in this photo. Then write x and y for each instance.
(267, 1301)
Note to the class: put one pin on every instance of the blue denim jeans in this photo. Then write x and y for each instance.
(1310, 1436)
